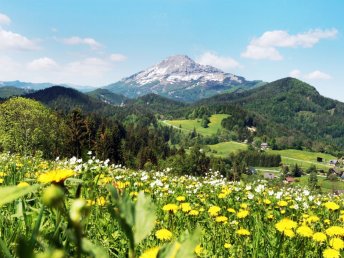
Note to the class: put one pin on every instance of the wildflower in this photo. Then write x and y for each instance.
(337, 243)
(242, 214)
(23, 184)
(185, 207)
(150, 253)
(244, 205)
(243, 232)
(285, 226)
(305, 231)
(319, 237)
(227, 245)
(231, 210)
(52, 195)
(194, 212)
(214, 210)
(163, 234)
(198, 250)
(312, 219)
(221, 219)
(282, 203)
(335, 231)
(331, 253)
(55, 176)
(78, 209)
(267, 201)
(1, 180)
(332, 206)
(180, 198)
(170, 207)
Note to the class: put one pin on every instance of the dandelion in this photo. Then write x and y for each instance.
(285, 226)
(221, 219)
(282, 203)
(331, 253)
(337, 243)
(227, 245)
(23, 184)
(243, 232)
(186, 207)
(198, 250)
(163, 234)
(332, 206)
(305, 231)
(150, 253)
(55, 176)
(214, 210)
(242, 214)
(335, 231)
(170, 207)
(319, 237)
(180, 198)
(231, 210)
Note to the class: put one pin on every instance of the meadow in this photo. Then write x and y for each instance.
(188, 125)
(76, 208)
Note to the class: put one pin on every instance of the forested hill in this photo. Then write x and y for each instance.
(107, 96)
(295, 105)
(66, 99)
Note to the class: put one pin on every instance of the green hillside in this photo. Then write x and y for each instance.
(223, 149)
(190, 124)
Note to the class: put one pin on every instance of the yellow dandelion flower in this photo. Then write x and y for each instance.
(337, 243)
(56, 176)
(163, 234)
(214, 210)
(227, 245)
(335, 231)
(198, 250)
(186, 207)
(285, 226)
(180, 198)
(221, 219)
(150, 253)
(194, 212)
(312, 219)
(267, 201)
(332, 206)
(170, 207)
(331, 253)
(319, 237)
(231, 210)
(282, 203)
(304, 231)
(23, 184)
(243, 232)
(244, 205)
(242, 214)
(1, 180)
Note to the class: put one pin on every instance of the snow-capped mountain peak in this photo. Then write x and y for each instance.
(177, 75)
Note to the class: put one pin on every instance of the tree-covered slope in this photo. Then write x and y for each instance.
(107, 96)
(9, 91)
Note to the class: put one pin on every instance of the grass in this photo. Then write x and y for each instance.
(303, 158)
(223, 149)
(188, 125)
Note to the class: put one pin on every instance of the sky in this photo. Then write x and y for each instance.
(96, 43)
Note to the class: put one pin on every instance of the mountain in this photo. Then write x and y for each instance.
(181, 78)
(40, 86)
(294, 105)
(9, 91)
(108, 97)
(66, 99)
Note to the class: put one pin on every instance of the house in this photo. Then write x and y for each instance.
(320, 159)
(289, 179)
(269, 176)
(333, 162)
(264, 146)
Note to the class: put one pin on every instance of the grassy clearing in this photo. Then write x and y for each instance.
(223, 149)
(303, 158)
(189, 124)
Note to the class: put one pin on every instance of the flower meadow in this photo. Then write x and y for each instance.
(76, 208)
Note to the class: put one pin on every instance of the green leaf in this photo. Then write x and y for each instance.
(96, 250)
(4, 250)
(144, 217)
(11, 193)
(187, 248)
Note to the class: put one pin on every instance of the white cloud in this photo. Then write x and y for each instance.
(265, 46)
(295, 73)
(92, 43)
(10, 40)
(314, 76)
(318, 75)
(4, 19)
(118, 57)
(223, 63)
(44, 63)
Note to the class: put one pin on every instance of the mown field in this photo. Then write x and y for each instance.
(223, 149)
(189, 125)
(75, 208)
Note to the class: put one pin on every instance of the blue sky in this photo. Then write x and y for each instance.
(99, 42)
